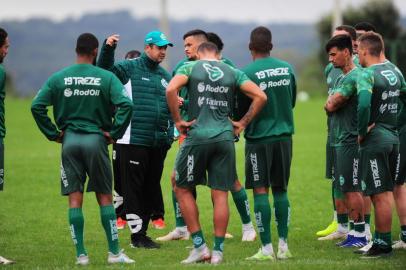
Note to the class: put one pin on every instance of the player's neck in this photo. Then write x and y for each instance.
(84, 59)
(374, 60)
(258, 55)
(348, 66)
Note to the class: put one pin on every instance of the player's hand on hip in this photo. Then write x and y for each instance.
(113, 40)
(183, 126)
(108, 137)
(238, 127)
(60, 137)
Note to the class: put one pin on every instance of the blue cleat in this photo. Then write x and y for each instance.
(357, 242)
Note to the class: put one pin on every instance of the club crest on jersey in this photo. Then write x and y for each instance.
(215, 73)
(390, 76)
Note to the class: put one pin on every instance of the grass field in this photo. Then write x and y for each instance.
(33, 215)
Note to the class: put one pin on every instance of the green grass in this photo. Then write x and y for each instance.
(33, 214)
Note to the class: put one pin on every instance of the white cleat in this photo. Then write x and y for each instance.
(248, 233)
(216, 257)
(399, 245)
(200, 254)
(228, 235)
(334, 236)
(176, 234)
(82, 259)
(119, 258)
(5, 261)
(364, 249)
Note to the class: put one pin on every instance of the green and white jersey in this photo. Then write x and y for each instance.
(83, 98)
(275, 121)
(211, 89)
(379, 87)
(343, 129)
(2, 97)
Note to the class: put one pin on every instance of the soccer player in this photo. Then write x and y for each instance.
(81, 96)
(192, 40)
(379, 87)
(342, 105)
(338, 229)
(209, 145)
(4, 45)
(268, 149)
(151, 132)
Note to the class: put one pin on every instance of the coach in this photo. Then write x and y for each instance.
(151, 131)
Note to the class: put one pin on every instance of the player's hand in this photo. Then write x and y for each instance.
(238, 127)
(60, 137)
(180, 101)
(361, 138)
(108, 137)
(183, 126)
(370, 127)
(113, 40)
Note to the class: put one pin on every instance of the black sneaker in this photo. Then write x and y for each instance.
(377, 251)
(143, 241)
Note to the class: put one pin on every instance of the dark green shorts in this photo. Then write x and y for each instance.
(378, 168)
(85, 154)
(217, 159)
(346, 161)
(401, 166)
(329, 160)
(1, 164)
(268, 165)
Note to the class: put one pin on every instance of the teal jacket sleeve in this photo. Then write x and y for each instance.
(106, 61)
(40, 112)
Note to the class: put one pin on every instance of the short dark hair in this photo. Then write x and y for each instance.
(196, 32)
(208, 46)
(86, 43)
(261, 40)
(132, 54)
(349, 29)
(213, 37)
(365, 26)
(3, 36)
(373, 42)
(341, 42)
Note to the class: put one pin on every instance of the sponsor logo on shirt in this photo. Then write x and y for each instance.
(201, 87)
(76, 92)
(270, 84)
(82, 81)
(215, 73)
(272, 72)
(390, 76)
(386, 94)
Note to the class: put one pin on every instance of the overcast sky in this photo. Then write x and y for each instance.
(229, 10)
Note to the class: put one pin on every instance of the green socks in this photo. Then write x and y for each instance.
(367, 218)
(262, 211)
(241, 202)
(108, 219)
(383, 239)
(282, 213)
(180, 222)
(403, 233)
(198, 239)
(218, 243)
(76, 224)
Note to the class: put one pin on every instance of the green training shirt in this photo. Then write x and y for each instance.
(344, 121)
(275, 121)
(83, 98)
(211, 89)
(2, 97)
(379, 88)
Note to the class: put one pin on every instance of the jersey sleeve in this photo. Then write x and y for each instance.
(240, 77)
(123, 114)
(186, 69)
(40, 112)
(365, 82)
(348, 87)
